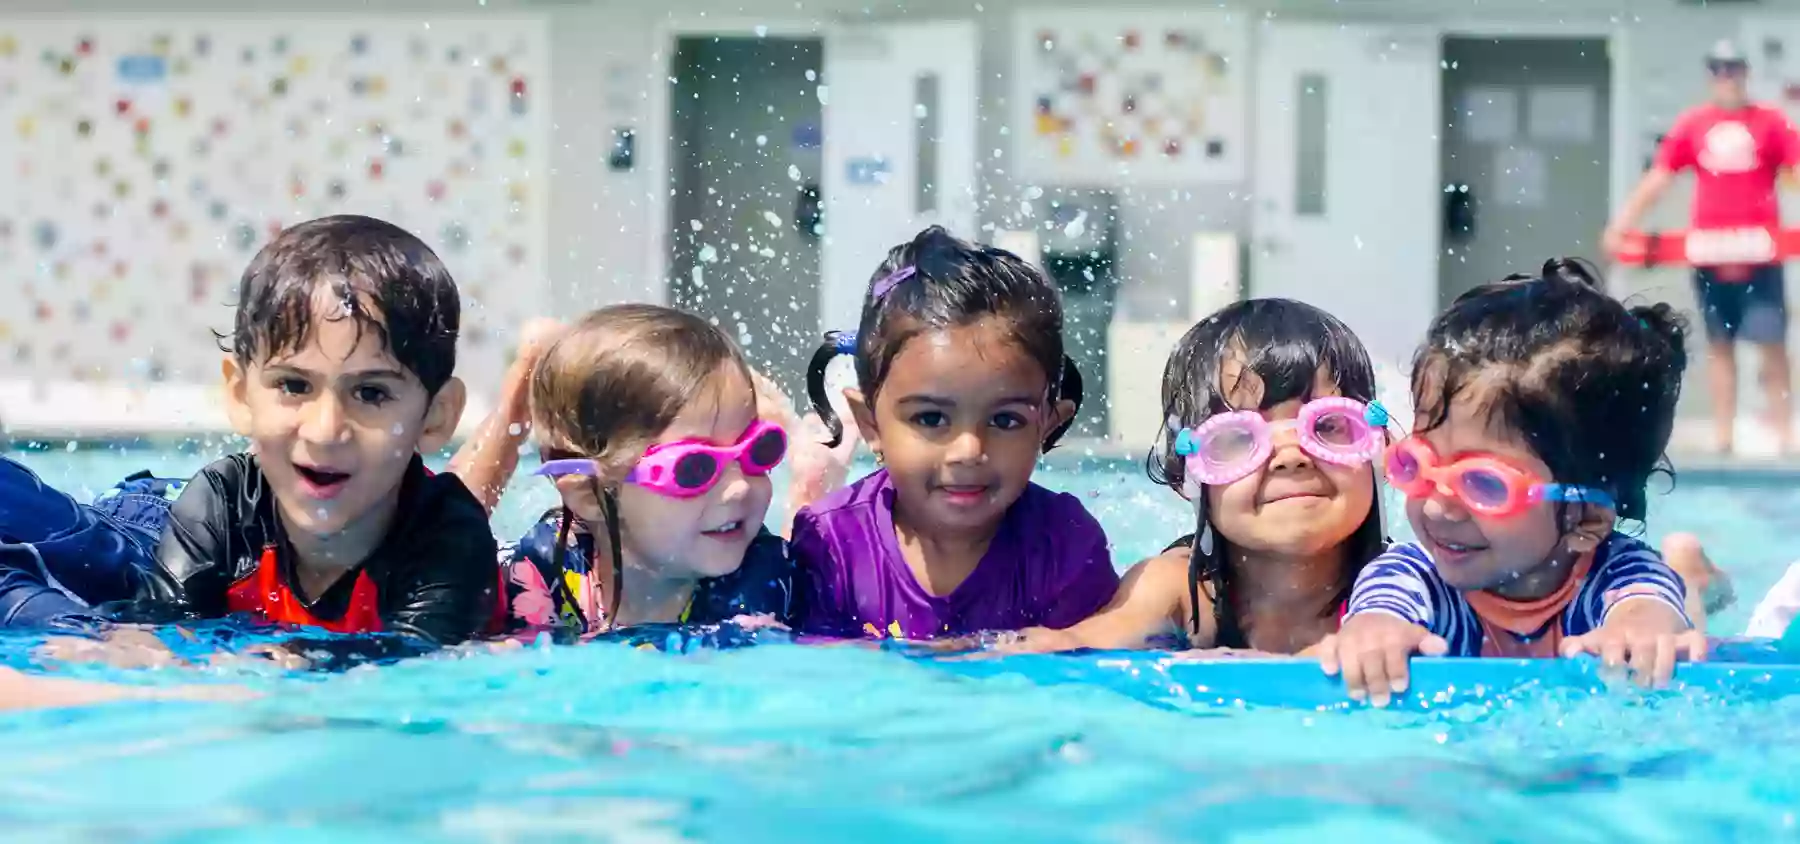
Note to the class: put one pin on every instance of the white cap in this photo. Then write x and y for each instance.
(1726, 52)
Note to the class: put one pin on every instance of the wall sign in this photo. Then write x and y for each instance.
(868, 171)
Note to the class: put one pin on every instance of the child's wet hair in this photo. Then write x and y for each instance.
(386, 279)
(938, 281)
(1285, 345)
(611, 384)
(1589, 385)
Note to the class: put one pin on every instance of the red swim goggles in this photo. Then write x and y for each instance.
(691, 468)
(1486, 485)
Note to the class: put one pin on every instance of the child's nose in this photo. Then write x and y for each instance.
(1286, 452)
(734, 485)
(1443, 505)
(323, 420)
(966, 447)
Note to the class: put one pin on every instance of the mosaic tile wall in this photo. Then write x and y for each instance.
(1135, 97)
(146, 162)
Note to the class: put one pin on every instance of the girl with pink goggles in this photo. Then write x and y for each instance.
(691, 468)
(1230, 446)
(1485, 485)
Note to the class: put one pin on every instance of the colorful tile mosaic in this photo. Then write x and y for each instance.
(151, 160)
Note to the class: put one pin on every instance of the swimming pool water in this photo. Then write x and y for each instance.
(787, 743)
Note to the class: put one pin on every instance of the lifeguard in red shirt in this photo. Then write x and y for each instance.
(1737, 150)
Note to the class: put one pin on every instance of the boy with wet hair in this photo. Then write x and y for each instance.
(339, 375)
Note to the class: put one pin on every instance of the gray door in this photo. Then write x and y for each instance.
(745, 143)
(1525, 155)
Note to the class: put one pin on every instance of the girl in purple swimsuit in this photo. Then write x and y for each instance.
(961, 384)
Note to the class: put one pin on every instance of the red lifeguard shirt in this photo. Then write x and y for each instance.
(1736, 155)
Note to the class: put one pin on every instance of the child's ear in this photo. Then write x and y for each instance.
(441, 416)
(581, 494)
(1592, 525)
(237, 395)
(865, 418)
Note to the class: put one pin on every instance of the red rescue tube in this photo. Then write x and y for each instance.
(1737, 247)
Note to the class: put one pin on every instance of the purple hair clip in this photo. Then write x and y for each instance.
(881, 288)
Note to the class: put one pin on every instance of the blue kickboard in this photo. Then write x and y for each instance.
(1166, 678)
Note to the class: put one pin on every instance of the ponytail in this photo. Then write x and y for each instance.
(1068, 387)
(836, 343)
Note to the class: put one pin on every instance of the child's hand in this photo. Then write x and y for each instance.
(1645, 637)
(1037, 640)
(752, 623)
(534, 340)
(123, 647)
(1371, 652)
(262, 657)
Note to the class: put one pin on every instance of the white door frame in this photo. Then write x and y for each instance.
(1622, 167)
(657, 166)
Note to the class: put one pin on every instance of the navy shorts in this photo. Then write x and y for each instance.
(1753, 310)
(58, 556)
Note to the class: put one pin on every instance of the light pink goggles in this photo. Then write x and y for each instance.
(692, 467)
(1230, 446)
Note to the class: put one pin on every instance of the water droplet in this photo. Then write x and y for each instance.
(696, 225)
(794, 171)
(762, 140)
(399, 429)
(515, 429)
(812, 75)
(824, 93)
(708, 254)
(773, 218)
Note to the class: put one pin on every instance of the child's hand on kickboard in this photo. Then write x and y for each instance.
(1370, 651)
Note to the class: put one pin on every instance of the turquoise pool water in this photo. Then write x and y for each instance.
(782, 743)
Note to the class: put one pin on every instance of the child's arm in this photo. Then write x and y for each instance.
(1147, 603)
(487, 461)
(26, 691)
(818, 470)
(27, 601)
(1643, 626)
(1709, 589)
(1389, 619)
(815, 469)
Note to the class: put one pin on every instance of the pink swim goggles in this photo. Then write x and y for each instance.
(691, 468)
(1229, 446)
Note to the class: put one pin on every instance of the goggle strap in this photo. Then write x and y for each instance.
(1572, 494)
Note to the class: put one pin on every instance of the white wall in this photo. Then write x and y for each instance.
(608, 59)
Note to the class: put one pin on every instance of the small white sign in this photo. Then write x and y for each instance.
(1562, 113)
(1489, 115)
